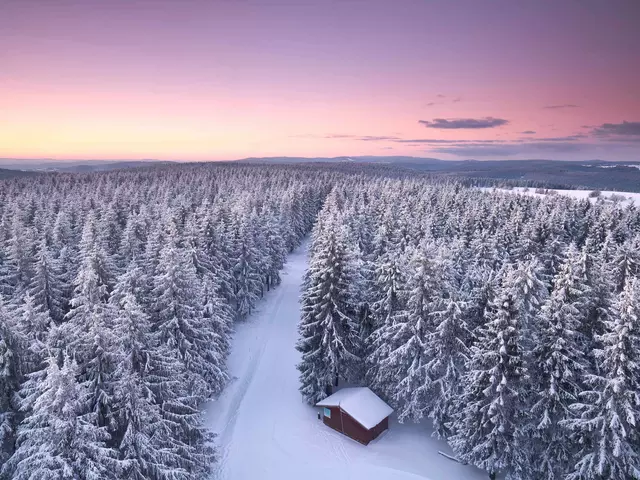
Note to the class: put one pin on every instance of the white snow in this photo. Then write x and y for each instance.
(629, 197)
(266, 432)
(364, 406)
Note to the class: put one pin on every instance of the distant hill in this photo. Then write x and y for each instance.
(592, 174)
(8, 173)
(44, 165)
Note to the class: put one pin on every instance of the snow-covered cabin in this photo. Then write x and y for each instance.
(357, 412)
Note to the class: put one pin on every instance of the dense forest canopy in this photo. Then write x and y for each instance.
(510, 322)
(118, 294)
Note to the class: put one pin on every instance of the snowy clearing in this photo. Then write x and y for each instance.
(630, 197)
(265, 430)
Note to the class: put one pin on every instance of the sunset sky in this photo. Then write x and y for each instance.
(226, 79)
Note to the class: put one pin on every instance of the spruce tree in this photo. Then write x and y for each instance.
(46, 287)
(180, 323)
(489, 430)
(140, 434)
(606, 414)
(58, 438)
(560, 364)
(328, 333)
(12, 346)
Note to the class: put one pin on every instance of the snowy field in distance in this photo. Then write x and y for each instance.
(265, 430)
(580, 194)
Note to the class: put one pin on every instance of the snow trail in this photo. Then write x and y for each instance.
(266, 431)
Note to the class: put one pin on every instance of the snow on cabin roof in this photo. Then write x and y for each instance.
(364, 406)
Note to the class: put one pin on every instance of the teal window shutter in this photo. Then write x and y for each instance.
(327, 412)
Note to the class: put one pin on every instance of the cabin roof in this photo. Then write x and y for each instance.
(364, 406)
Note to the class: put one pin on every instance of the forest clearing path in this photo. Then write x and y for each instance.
(265, 430)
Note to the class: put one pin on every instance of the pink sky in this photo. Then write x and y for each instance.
(226, 79)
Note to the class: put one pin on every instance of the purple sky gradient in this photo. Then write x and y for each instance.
(222, 79)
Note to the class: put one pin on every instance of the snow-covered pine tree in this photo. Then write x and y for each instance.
(12, 346)
(33, 325)
(626, 262)
(560, 363)
(606, 415)
(448, 350)
(58, 439)
(531, 289)
(179, 320)
(133, 240)
(388, 302)
(87, 333)
(328, 333)
(46, 285)
(142, 437)
(247, 279)
(20, 255)
(447, 343)
(276, 249)
(490, 428)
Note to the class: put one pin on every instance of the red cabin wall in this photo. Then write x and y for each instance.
(344, 423)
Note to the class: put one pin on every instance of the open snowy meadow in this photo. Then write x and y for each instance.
(622, 198)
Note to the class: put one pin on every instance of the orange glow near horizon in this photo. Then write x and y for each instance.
(220, 81)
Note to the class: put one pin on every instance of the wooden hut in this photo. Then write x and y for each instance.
(357, 412)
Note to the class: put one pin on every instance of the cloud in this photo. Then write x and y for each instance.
(341, 136)
(431, 104)
(443, 141)
(440, 95)
(456, 100)
(338, 135)
(624, 128)
(528, 132)
(567, 138)
(371, 138)
(558, 107)
(509, 150)
(464, 123)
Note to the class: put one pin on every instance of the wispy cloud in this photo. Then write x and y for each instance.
(338, 135)
(561, 106)
(342, 136)
(528, 132)
(464, 123)
(566, 138)
(510, 150)
(437, 141)
(440, 95)
(624, 128)
(373, 138)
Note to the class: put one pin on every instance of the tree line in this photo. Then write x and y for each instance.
(512, 323)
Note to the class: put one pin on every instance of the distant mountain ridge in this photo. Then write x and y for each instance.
(596, 174)
(589, 174)
(45, 165)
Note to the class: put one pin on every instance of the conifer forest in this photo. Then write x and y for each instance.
(510, 323)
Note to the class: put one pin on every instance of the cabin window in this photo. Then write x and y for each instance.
(327, 412)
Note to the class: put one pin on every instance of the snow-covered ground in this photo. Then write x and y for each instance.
(265, 430)
(580, 194)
